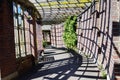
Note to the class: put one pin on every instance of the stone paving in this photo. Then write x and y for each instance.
(64, 66)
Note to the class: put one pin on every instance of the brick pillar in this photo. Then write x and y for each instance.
(7, 45)
(35, 37)
(39, 37)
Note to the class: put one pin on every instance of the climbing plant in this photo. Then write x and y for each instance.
(69, 35)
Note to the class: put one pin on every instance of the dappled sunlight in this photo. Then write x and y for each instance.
(59, 39)
(67, 69)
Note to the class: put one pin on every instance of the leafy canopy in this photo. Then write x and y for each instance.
(69, 35)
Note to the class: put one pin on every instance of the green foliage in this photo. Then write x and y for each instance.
(70, 36)
(102, 70)
(104, 75)
(44, 43)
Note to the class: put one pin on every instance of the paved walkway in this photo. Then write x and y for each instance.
(61, 65)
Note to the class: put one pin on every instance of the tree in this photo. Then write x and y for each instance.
(69, 35)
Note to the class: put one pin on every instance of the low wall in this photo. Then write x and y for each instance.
(25, 64)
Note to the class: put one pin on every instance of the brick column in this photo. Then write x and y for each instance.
(39, 37)
(35, 37)
(7, 45)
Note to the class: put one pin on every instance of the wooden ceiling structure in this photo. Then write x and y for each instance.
(56, 11)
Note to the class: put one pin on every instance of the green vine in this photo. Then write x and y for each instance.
(44, 43)
(69, 35)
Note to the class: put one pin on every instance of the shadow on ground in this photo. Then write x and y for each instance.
(73, 68)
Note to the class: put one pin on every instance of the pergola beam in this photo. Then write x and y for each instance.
(63, 8)
(65, 3)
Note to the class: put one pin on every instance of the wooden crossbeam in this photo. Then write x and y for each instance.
(55, 3)
(64, 6)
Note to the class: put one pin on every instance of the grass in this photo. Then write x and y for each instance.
(102, 71)
(104, 74)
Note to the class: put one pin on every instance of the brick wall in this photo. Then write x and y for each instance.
(56, 35)
(7, 48)
(115, 14)
(8, 62)
(115, 10)
(33, 35)
(39, 36)
(95, 34)
(53, 35)
(116, 29)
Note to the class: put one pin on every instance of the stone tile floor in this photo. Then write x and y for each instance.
(64, 66)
